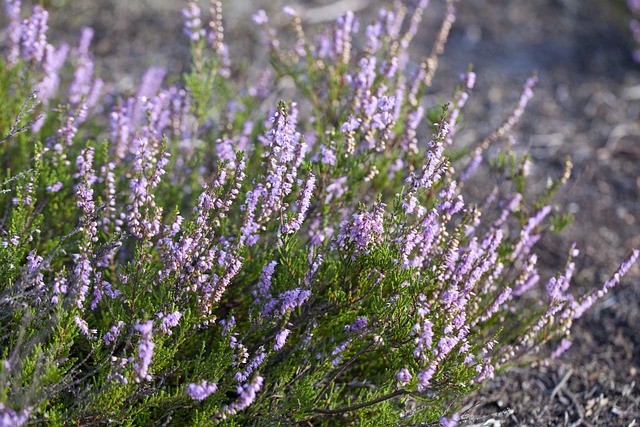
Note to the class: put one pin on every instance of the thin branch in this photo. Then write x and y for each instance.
(344, 409)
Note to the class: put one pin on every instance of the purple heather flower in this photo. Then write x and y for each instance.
(145, 351)
(202, 390)
(527, 238)
(111, 336)
(151, 82)
(264, 286)
(424, 378)
(579, 307)
(470, 79)
(11, 418)
(260, 17)
(328, 155)
(292, 299)
(358, 325)
(564, 345)
(59, 288)
(254, 364)
(336, 189)
(404, 376)
(449, 422)
(33, 37)
(247, 395)
(84, 328)
(485, 371)
(14, 29)
(424, 340)
(53, 61)
(495, 306)
(365, 229)
(169, 321)
(281, 339)
(83, 76)
(193, 25)
(302, 205)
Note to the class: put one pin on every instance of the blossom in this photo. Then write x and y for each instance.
(424, 378)
(281, 338)
(14, 30)
(302, 205)
(247, 395)
(404, 376)
(193, 25)
(364, 230)
(169, 321)
(110, 337)
(260, 17)
(33, 39)
(145, 351)
(564, 345)
(84, 328)
(449, 422)
(202, 390)
(11, 418)
(83, 76)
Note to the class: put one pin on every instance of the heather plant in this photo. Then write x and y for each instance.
(207, 253)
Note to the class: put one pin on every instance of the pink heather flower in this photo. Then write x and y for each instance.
(202, 390)
(281, 339)
(404, 376)
(145, 351)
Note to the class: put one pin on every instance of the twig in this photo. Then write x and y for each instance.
(360, 405)
(561, 384)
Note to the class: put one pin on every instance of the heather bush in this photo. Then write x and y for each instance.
(207, 253)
